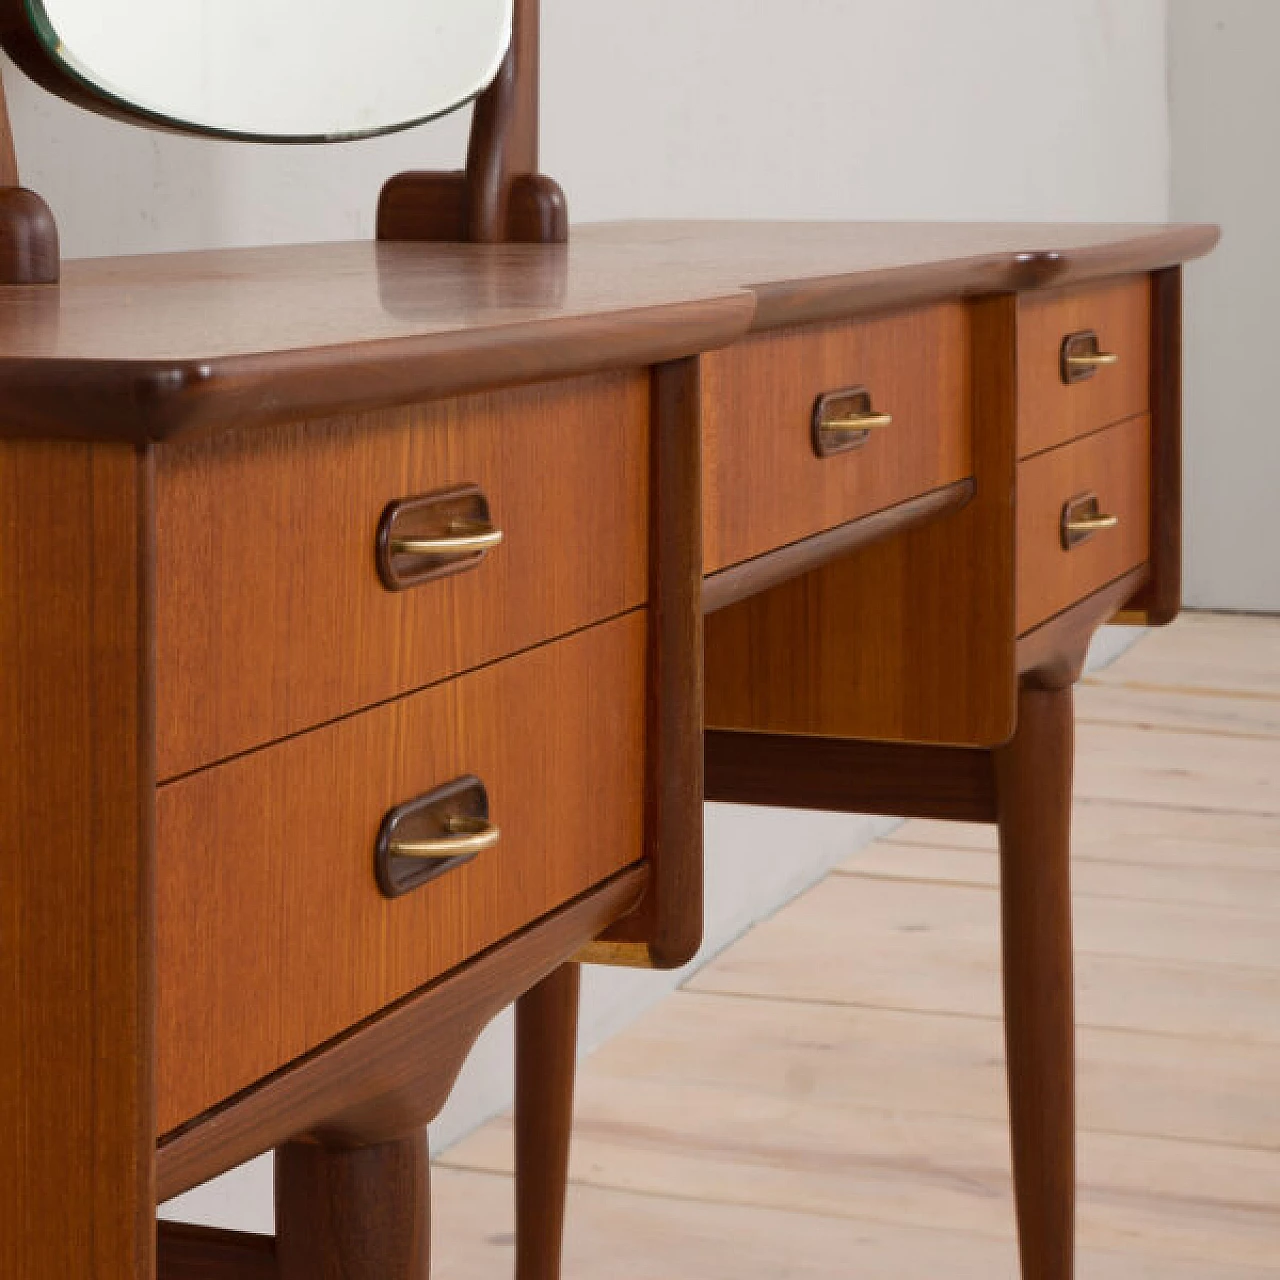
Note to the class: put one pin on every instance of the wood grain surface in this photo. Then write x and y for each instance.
(1113, 464)
(390, 1074)
(667, 930)
(1033, 797)
(1050, 411)
(187, 1252)
(765, 486)
(272, 936)
(546, 1064)
(76, 890)
(271, 617)
(362, 1214)
(909, 639)
(169, 343)
(1160, 600)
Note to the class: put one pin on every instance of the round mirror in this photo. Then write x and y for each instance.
(283, 70)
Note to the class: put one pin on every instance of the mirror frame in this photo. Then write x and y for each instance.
(20, 39)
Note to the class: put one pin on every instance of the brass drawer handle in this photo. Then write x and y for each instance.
(420, 539)
(438, 832)
(844, 420)
(461, 836)
(859, 422)
(1082, 518)
(465, 538)
(1082, 357)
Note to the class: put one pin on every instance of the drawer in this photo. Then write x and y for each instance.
(1084, 361)
(272, 933)
(271, 615)
(766, 483)
(1057, 566)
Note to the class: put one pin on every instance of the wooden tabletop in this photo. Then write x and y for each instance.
(149, 347)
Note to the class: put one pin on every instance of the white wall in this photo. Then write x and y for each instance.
(1225, 115)
(991, 109)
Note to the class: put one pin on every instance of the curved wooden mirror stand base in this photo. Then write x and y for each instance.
(499, 197)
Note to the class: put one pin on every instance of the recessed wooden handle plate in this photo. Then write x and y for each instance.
(436, 833)
(428, 537)
(844, 420)
(1082, 517)
(1082, 356)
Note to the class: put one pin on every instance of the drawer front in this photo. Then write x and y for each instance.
(1084, 361)
(1065, 550)
(766, 483)
(272, 933)
(272, 616)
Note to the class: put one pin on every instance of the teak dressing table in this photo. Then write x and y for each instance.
(362, 608)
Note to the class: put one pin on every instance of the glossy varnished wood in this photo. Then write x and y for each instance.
(765, 485)
(174, 344)
(278, 847)
(1033, 789)
(271, 617)
(1051, 411)
(76, 793)
(180, 342)
(388, 1076)
(1113, 464)
(909, 639)
(806, 272)
(354, 1214)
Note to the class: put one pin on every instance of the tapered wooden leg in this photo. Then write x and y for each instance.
(1033, 795)
(546, 1047)
(354, 1215)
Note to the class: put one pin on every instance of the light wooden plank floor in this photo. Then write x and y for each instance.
(826, 1099)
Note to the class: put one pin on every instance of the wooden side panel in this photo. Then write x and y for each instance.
(271, 615)
(667, 930)
(1159, 601)
(272, 935)
(1114, 465)
(765, 484)
(77, 1132)
(911, 639)
(1051, 412)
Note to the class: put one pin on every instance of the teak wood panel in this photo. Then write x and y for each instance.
(1116, 466)
(271, 617)
(909, 639)
(765, 484)
(77, 1137)
(1051, 411)
(272, 936)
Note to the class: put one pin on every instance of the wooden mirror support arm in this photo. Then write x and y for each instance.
(500, 197)
(29, 251)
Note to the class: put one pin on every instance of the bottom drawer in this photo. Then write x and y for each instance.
(1083, 518)
(272, 933)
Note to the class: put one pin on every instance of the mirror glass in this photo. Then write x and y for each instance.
(292, 70)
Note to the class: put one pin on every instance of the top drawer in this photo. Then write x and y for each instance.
(271, 616)
(766, 480)
(1084, 361)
